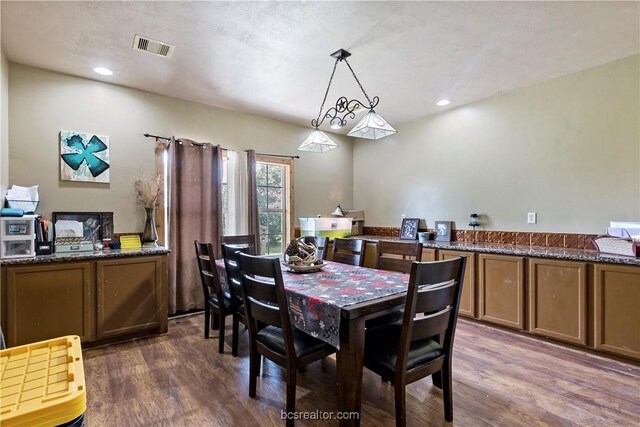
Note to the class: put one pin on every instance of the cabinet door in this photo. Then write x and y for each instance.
(468, 297)
(617, 309)
(370, 255)
(501, 290)
(131, 296)
(429, 255)
(49, 300)
(558, 299)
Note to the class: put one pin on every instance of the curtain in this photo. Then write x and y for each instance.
(237, 190)
(195, 213)
(254, 221)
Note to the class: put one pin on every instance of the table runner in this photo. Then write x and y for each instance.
(316, 299)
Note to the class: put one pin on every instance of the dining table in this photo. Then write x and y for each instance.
(333, 304)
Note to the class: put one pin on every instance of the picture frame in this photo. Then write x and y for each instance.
(443, 231)
(409, 228)
(95, 225)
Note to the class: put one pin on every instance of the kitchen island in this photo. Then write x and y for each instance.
(102, 296)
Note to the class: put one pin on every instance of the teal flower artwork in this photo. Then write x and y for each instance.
(84, 157)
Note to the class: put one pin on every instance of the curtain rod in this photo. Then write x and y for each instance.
(277, 155)
(148, 135)
(199, 144)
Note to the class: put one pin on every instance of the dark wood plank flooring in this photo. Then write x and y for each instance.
(500, 379)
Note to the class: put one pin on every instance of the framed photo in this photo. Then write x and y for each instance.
(409, 228)
(443, 231)
(94, 224)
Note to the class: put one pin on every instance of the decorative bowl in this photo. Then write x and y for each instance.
(305, 268)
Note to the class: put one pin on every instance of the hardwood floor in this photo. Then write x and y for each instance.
(500, 379)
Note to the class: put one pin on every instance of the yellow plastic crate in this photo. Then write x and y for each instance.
(42, 383)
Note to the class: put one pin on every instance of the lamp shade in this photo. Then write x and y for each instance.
(372, 126)
(318, 142)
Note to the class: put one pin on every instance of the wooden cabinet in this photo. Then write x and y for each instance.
(49, 300)
(558, 299)
(370, 255)
(501, 290)
(429, 254)
(95, 299)
(468, 297)
(617, 309)
(130, 296)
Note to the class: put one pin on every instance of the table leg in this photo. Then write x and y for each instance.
(349, 361)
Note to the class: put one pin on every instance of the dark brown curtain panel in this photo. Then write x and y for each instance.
(195, 213)
(254, 221)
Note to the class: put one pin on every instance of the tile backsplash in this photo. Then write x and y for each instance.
(520, 238)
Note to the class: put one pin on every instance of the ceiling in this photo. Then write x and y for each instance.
(272, 58)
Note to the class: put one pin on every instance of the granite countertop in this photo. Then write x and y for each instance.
(528, 251)
(82, 256)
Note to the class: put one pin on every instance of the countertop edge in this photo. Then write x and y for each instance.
(514, 250)
(85, 256)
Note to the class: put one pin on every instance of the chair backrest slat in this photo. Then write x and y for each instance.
(348, 251)
(397, 256)
(435, 297)
(243, 240)
(265, 313)
(208, 272)
(430, 325)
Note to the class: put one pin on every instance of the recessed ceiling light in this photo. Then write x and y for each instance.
(443, 102)
(103, 71)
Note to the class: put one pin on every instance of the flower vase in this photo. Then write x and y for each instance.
(150, 235)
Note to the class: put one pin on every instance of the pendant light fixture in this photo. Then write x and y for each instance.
(371, 126)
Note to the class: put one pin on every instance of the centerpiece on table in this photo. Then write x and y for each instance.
(148, 189)
(302, 256)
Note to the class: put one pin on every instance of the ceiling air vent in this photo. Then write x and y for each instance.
(153, 46)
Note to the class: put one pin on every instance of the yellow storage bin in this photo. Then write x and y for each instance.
(42, 384)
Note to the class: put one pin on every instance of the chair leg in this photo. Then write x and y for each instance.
(436, 378)
(447, 395)
(401, 404)
(215, 320)
(291, 392)
(207, 320)
(234, 337)
(221, 334)
(254, 371)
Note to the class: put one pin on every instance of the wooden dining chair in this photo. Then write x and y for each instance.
(242, 240)
(270, 329)
(348, 251)
(231, 255)
(321, 243)
(216, 302)
(397, 256)
(414, 347)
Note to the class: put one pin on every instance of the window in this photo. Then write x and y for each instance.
(225, 192)
(273, 180)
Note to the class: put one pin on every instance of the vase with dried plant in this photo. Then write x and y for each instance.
(148, 189)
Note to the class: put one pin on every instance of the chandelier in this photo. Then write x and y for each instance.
(371, 126)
